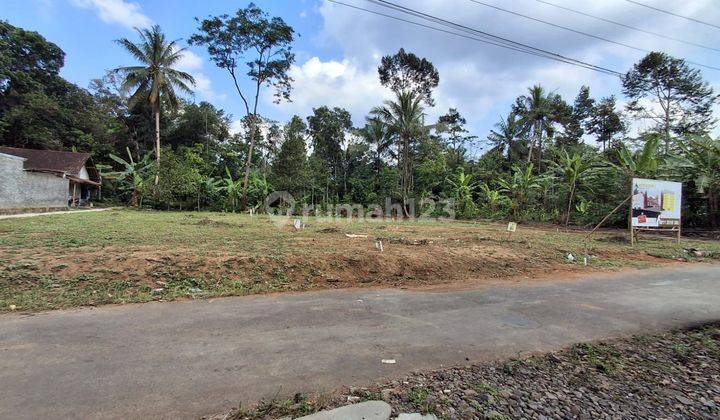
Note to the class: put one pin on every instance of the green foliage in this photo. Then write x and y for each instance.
(407, 73)
(643, 163)
(667, 91)
(290, 169)
(520, 188)
(700, 165)
(178, 181)
(463, 187)
(232, 189)
(404, 120)
(133, 177)
(155, 79)
(541, 162)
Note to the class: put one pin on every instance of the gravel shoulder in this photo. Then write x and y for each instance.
(669, 375)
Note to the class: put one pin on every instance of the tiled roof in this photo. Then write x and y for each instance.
(49, 160)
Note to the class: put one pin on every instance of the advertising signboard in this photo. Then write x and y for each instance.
(655, 203)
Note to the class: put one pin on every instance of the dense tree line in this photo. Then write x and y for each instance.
(549, 159)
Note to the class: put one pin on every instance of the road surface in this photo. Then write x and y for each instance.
(187, 359)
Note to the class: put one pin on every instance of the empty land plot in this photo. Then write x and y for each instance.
(124, 256)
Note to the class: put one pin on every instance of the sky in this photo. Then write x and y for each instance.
(339, 48)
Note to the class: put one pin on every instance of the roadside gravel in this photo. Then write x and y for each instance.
(670, 375)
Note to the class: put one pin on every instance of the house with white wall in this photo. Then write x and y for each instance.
(45, 180)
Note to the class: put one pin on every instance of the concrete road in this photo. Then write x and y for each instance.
(186, 359)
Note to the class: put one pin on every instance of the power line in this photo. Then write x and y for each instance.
(673, 14)
(538, 53)
(579, 32)
(602, 19)
(496, 40)
(434, 28)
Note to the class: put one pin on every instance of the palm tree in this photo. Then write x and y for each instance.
(404, 120)
(537, 112)
(572, 169)
(508, 134)
(155, 78)
(376, 134)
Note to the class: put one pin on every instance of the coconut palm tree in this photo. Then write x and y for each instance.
(155, 78)
(376, 134)
(537, 111)
(404, 119)
(508, 135)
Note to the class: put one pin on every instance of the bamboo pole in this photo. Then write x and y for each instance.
(587, 237)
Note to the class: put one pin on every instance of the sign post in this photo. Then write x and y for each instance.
(655, 206)
(511, 227)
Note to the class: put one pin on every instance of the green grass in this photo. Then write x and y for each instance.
(123, 256)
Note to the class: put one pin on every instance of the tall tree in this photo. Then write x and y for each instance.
(263, 44)
(538, 112)
(405, 122)
(605, 122)
(199, 124)
(406, 72)
(155, 78)
(38, 108)
(327, 128)
(663, 89)
(581, 110)
(289, 170)
(458, 138)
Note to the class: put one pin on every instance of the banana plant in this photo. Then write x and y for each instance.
(644, 162)
(573, 169)
(700, 164)
(233, 189)
(519, 187)
(207, 187)
(133, 177)
(463, 188)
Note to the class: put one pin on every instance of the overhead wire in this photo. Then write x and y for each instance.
(502, 41)
(566, 28)
(623, 25)
(465, 35)
(657, 9)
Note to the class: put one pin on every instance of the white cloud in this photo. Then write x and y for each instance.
(333, 83)
(117, 11)
(190, 61)
(193, 64)
(482, 80)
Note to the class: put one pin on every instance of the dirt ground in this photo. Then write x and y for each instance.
(130, 256)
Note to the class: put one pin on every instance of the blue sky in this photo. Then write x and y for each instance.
(339, 48)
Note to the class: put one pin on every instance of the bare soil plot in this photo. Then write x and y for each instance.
(122, 256)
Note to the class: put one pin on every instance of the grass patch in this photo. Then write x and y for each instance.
(62, 261)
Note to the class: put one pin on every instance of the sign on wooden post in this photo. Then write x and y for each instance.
(655, 206)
